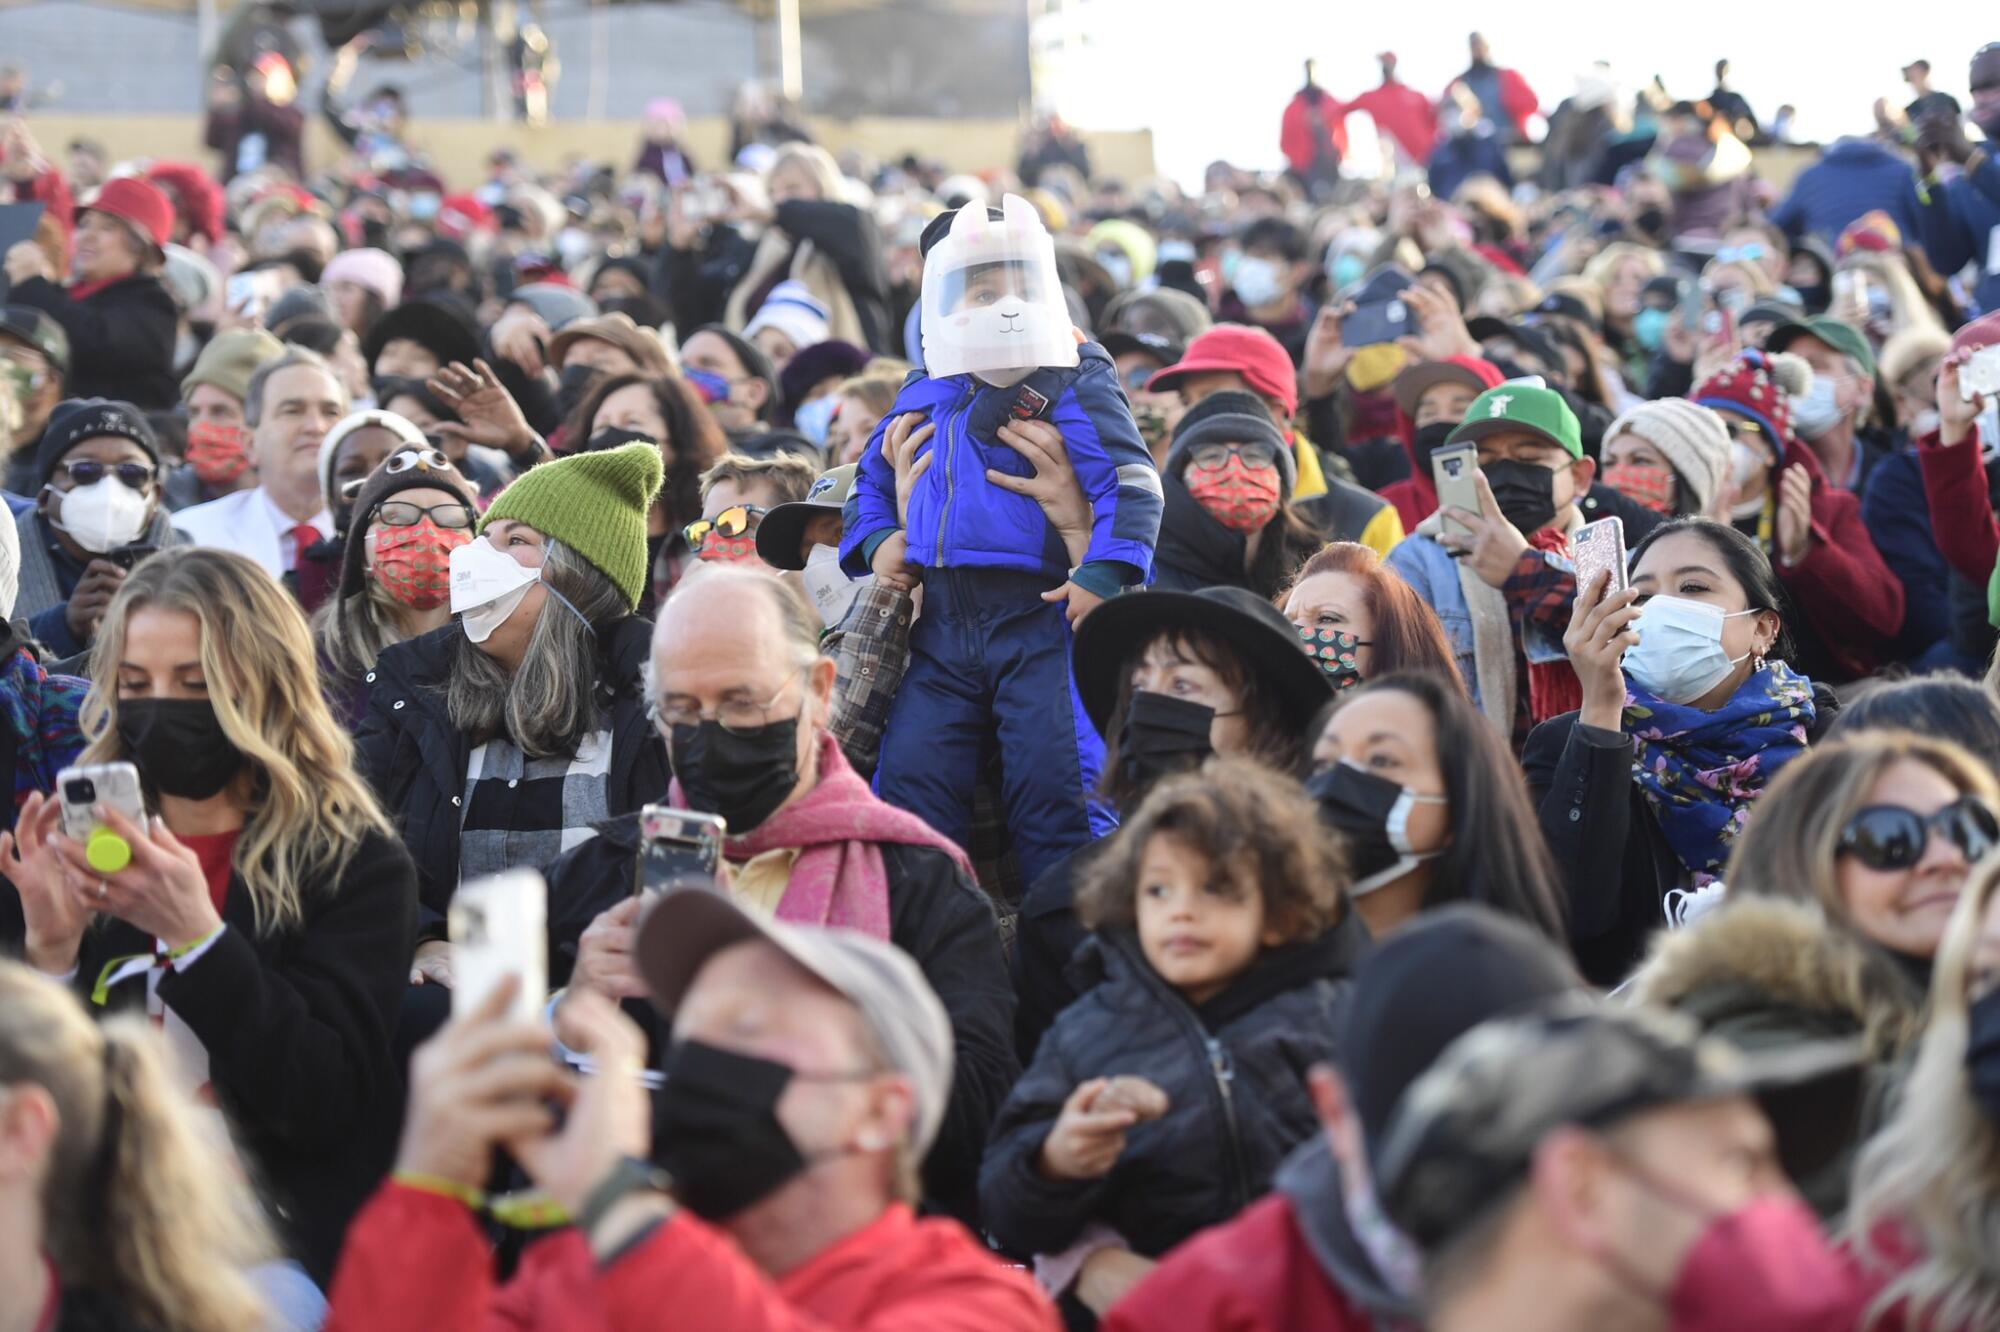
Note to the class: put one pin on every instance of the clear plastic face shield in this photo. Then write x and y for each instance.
(992, 302)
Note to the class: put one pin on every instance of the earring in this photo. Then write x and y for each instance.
(1757, 664)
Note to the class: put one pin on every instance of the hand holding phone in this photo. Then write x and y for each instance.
(82, 790)
(677, 845)
(1599, 547)
(1453, 467)
(499, 929)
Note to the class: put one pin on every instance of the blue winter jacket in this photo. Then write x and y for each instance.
(959, 519)
(1852, 177)
(1960, 225)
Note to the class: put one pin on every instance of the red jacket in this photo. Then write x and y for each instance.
(417, 1262)
(1295, 132)
(1404, 114)
(1961, 518)
(1842, 585)
(1253, 1274)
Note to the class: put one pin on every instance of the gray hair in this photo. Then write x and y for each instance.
(253, 393)
(797, 620)
(550, 705)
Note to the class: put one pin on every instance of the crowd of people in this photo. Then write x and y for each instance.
(1318, 753)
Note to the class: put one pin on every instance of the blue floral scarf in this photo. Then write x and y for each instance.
(1702, 770)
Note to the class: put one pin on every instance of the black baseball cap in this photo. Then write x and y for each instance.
(37, 329)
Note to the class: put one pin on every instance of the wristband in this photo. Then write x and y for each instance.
(441, 1187)
(176, 954)
(628, 1176)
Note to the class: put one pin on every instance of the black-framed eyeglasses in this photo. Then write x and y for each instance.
(85, 472)
(736, 716)
(1890, 837)
(1210, 457)
(402, 513)
(734, 521)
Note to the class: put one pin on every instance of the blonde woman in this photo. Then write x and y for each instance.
(1839, 891)
(1926, 1217)
(115, 1209)
(267, 915)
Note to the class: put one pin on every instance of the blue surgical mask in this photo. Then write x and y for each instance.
(1258, 281)
(1649, 327)
(1679, 655)
(813, 418)
(1346, 270)
(1176, 252)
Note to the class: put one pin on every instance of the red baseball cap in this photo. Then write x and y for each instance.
(1237, 349)
(139, 204)
(1476, 374)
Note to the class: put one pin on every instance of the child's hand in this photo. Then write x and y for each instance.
(1086, 1141)
(892, 568)
(900, 443)
(1082, 601)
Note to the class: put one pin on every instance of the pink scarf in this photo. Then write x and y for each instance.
(838, 828)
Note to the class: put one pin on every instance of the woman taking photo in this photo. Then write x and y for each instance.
(1358, 620)
(1688, 711)
(118, 1204)
(664, 410)
(395, 575)
(1168, 679)
(500, 741)
(1840, 891)
(1927, 1187)
(1431, 804)
(266, 914)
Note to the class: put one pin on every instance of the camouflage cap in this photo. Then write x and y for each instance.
(1462, 1136)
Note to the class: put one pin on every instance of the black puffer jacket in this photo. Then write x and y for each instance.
(936, 914)
(416, 759)
(1234, 1073)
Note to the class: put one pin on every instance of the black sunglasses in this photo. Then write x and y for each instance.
(1890, 837)
(83, 472)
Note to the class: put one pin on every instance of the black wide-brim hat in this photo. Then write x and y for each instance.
(1267, 642)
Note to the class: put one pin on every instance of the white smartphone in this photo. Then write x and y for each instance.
(1453, 468)
(81, 790)
(499, 929)
(1599, 546)
(1980, 373)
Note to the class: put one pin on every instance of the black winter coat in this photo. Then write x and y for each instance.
(1617, 865)
(1234, 1072)
(1195, 551)
(121, 339)
(297, 1028)
(416, 759)
(936, 914)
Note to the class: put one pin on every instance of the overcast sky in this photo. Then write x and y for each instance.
(1211, 77)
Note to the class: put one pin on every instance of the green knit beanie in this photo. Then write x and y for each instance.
(594, 503)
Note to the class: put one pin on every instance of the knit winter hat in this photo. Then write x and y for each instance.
(794, 311)
(594, 503)
(1759, 387)
(79, 419)
(1692, 439)
(230, 358)
(1230, 417)
(377, 270)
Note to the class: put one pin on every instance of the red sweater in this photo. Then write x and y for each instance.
(1842, 585)
(418, 1262)
(1252, 1274)
(1961, 519)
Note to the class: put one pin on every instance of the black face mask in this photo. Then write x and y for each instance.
(574, 386)
(1425, 441)
(178, 745)
(1525, 493)
(1982, 1053)
(1651, 221)
(716, 1129)
(1162, 735)
(1372, 813)
(743, 776)
(1814, 296)
(612, 437)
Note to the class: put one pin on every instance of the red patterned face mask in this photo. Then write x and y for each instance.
(1240, 497)
(1644, 484)
(218, 453)
(720, 549)
(413, 564)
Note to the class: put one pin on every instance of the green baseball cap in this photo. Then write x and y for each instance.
(1838, 334)
(1513, 406)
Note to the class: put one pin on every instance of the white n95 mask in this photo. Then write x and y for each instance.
(1679, 656)
(103, 515)
(487, 585)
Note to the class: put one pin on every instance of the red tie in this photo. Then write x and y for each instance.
(303, 537)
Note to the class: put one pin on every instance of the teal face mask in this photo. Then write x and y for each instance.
(1346, 270)
(1650, 328)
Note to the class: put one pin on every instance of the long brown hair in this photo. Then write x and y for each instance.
(1406, 635)
(138, 1203)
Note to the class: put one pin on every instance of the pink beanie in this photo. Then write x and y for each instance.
(376, 270)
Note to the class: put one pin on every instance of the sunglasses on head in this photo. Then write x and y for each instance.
(83, 472)
(731, 522)
(1890, 837)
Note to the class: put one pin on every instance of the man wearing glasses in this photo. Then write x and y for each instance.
(736, 493)
(97, 513)
(740, 695)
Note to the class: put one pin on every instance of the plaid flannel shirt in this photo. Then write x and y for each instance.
(1540, 594)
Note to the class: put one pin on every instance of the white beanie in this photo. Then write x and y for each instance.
(1691, 438)
(794, 311)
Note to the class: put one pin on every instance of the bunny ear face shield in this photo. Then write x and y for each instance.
(992, 301)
